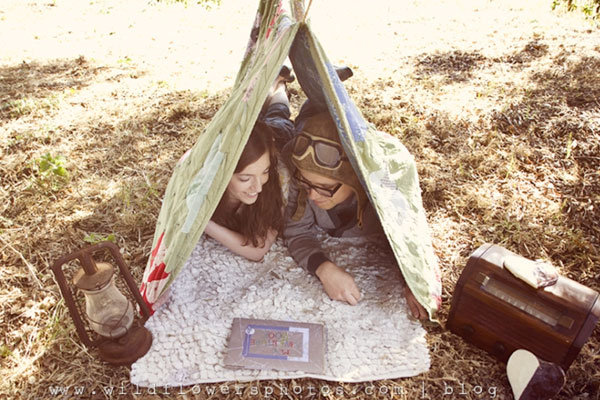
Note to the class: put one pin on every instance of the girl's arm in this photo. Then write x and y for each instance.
(234, 241)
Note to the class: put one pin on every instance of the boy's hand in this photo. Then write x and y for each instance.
(338, 284)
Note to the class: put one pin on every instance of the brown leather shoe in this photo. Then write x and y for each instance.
(285, 73)
(344, 73)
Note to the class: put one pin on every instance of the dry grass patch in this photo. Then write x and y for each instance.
(505, 128)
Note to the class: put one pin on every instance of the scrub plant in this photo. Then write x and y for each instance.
(591, 8)
(51, 171)
(94, 238)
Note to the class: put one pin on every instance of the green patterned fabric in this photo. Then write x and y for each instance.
(384, 166)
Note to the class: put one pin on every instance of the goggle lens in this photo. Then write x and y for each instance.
(301, 145)
(328, 155)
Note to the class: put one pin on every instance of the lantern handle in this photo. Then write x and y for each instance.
(88, 263)
(67, 294)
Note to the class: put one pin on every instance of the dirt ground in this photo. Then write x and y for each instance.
(499, 101)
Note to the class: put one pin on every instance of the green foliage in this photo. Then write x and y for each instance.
(20, 107)
(591, 8)
(125, 60)
(5, 351)
(17, 108)
(94, 238)
(51, 171)
(49, 165)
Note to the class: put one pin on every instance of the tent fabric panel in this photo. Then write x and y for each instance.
(212, 169)
(241, 112)
(385, 168)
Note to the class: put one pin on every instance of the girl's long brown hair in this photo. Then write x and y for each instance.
(254, 221)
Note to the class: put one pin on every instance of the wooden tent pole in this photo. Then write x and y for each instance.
(307, 9)
(299, 12)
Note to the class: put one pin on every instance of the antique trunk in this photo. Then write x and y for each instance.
(500, 313)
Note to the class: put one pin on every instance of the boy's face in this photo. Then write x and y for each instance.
(322, 201)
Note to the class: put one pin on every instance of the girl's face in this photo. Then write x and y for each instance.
(245, 185)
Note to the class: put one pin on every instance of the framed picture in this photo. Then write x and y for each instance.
(279, 345)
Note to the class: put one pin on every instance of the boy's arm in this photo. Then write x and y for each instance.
(305, 249)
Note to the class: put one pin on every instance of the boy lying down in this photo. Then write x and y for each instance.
(326, 193)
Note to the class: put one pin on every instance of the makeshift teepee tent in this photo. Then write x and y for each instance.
(384, 166)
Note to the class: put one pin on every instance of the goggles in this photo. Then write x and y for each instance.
(321, 190)
(326, 153)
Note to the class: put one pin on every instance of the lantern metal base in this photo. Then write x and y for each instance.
(126, 349)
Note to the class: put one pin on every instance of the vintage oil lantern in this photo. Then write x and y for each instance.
(119, 336)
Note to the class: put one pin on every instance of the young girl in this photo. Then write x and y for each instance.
(249, 215)
(247, 219)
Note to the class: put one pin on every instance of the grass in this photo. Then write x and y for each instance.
(507, 142)
(203, 3)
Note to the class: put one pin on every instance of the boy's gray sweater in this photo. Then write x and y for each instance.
(341, 221)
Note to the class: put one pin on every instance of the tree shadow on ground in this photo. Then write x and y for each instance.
(119, 169)
(455, 66)
(142, 161)
(493, 180)
(550, 136)
(559, 119)
(458, 65)
(34, 81)
(532, 50)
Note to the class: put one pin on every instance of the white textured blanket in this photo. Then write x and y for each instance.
(373, 340)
